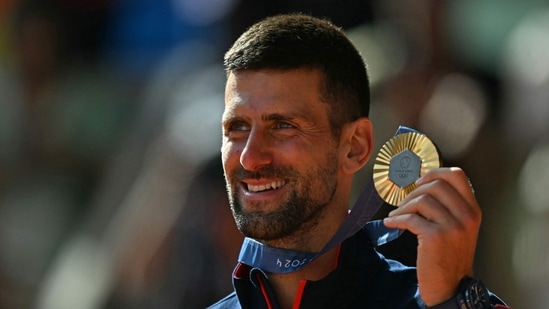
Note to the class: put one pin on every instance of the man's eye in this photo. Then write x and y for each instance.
(283, 125)
(238, 126)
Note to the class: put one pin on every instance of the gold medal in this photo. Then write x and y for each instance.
(400, 162)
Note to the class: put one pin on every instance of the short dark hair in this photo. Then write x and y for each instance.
(295, 41)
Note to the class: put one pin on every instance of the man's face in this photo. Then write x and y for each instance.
(279, 153)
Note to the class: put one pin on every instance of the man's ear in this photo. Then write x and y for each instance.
(356, 143)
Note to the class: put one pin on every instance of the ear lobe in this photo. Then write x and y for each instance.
(359, 140)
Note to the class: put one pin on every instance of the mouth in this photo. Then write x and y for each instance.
(273, 185)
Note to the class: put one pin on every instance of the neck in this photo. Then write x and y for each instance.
(312, 236)
(312, 239)
(286, 286)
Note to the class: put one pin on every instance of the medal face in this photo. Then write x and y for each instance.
(400, 162)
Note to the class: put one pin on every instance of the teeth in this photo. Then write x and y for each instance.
(273, 185)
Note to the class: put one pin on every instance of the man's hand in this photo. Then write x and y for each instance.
(444, 214)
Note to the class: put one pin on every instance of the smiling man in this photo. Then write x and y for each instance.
(281, 158)
(295, 131)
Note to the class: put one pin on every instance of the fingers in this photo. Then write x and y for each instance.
(442, 196)
(455, 177)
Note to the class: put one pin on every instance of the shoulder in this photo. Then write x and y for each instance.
(386, 281)
(359, 251)
(228, 302)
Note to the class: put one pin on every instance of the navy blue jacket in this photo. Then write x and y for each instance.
(363, 279)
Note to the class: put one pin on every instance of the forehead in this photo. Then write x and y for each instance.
(274, 90)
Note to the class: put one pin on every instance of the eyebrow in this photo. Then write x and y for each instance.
(277, 116)
(267, 117)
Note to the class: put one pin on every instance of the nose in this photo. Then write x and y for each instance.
(257, 151)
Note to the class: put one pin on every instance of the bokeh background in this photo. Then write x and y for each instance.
(111, 188)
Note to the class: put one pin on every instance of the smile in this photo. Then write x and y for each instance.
(268, 186)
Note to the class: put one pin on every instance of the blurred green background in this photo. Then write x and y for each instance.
(111, 188)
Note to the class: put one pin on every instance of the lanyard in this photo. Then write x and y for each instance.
(281, 261)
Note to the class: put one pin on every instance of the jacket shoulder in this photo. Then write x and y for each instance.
(228, 302)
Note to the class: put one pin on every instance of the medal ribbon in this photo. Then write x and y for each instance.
(282, 261)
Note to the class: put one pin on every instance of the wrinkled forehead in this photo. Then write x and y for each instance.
(262, 92)
(275, 82)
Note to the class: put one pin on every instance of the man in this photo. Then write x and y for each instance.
(295, 130)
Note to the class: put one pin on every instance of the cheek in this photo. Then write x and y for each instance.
(229, 154)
